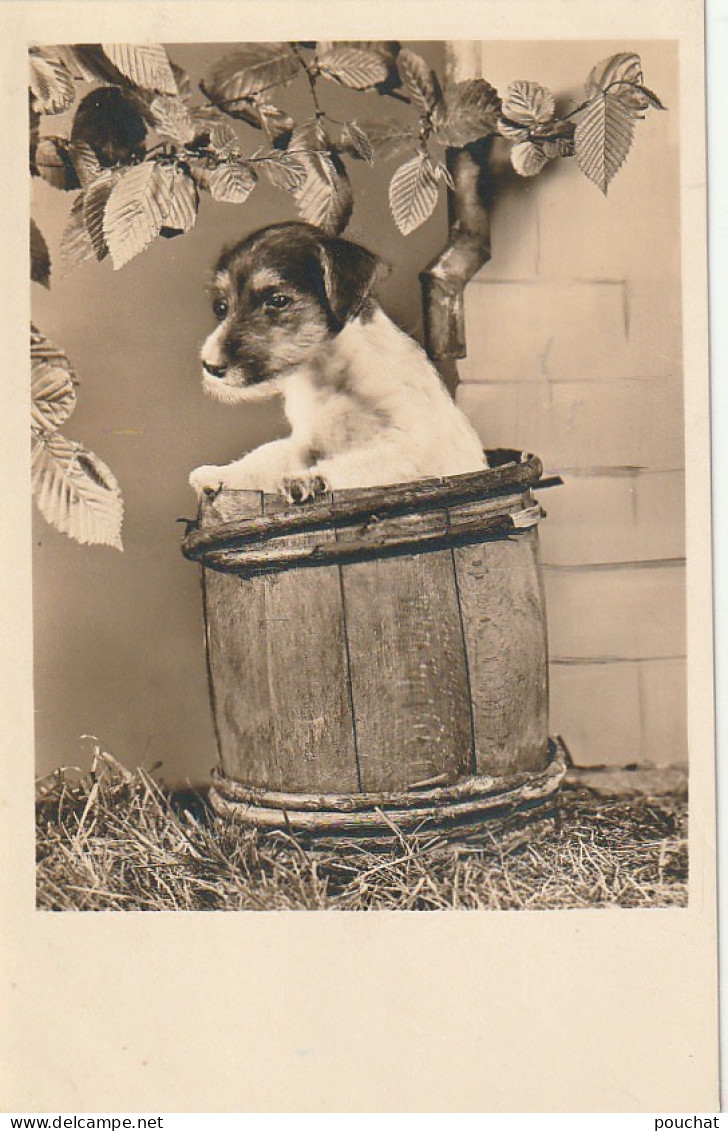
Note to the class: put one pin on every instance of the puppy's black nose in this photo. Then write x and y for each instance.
(214, 370)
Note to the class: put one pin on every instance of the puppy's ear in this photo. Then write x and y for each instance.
(350, 273)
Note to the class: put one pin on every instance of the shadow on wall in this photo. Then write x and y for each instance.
(118, 638)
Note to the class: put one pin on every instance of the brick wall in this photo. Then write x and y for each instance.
(574, 352)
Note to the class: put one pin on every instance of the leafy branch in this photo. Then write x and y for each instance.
(142, 147)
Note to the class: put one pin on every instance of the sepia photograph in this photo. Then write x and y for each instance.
(398, 333)
(358, 683)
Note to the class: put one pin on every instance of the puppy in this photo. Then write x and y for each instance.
(297, 317)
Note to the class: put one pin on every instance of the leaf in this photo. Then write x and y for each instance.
(355, 67)
(51, 82)
(469, 110)
(621, 77)
(95, 199)
(40, 259)
(443, 174)
(558, 147)
(43, 350)
(651, 97)
(386, 50)
(52, 386)
(232, 182)
(91, 63)
(389, 137)
(309, 137)
(278, 125)
(528, 103)
(413, 193)
(528, 159)
(420, 80)
(224, 139)
(172, 119)
(603, 138)
(185, 201)
(75, 492)
(76, 244)
(85, 162)
(182, 81)
(54, 164)
(285, 172)
(355, 139)
(135, 212)
(250, 70)
(146, 64)
(325, 198)
(113, 129)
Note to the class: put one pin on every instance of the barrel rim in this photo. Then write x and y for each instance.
(370, 505)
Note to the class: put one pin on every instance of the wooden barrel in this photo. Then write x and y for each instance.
(378, 658)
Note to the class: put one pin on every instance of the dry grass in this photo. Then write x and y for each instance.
(113, 840)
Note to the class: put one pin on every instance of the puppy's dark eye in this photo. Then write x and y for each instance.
(220, 308)
(278, 301)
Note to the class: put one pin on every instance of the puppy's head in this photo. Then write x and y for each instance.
(278, 296)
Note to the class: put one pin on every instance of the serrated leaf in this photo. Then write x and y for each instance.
(52, 391)
(224, 139)
(108, 123)
(85, 162)
(355, 139)
(231, 182)
(278, 125)
(75, 492)
(651, 97)
(172, 119)
(95, 199)
(185, 200)
(50, 81)
(528, 159)
(40, 259)
(53, 397)
(603, 138)
(91, 63)
(389, 138)
(286, 172)
(620, 76)
(420, 80)
(43, 350)
(76, 245)
(512, 130)
(309, 137)
(443, 174)
(528, 103)
(135, 212)
(55, 166)
(146, 64)
(355, 67)
(468, 111)
(413, 193)
(248, 71)
(325, 198)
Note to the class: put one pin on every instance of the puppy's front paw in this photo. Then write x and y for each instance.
(206, 478)
(303, 486)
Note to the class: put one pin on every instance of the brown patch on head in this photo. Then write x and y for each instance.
(279, 295)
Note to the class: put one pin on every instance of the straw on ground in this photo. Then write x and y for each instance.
(115, 840)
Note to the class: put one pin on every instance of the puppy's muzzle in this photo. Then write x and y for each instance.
(214, 370)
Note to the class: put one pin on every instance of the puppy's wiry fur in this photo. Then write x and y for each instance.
(365, 405)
